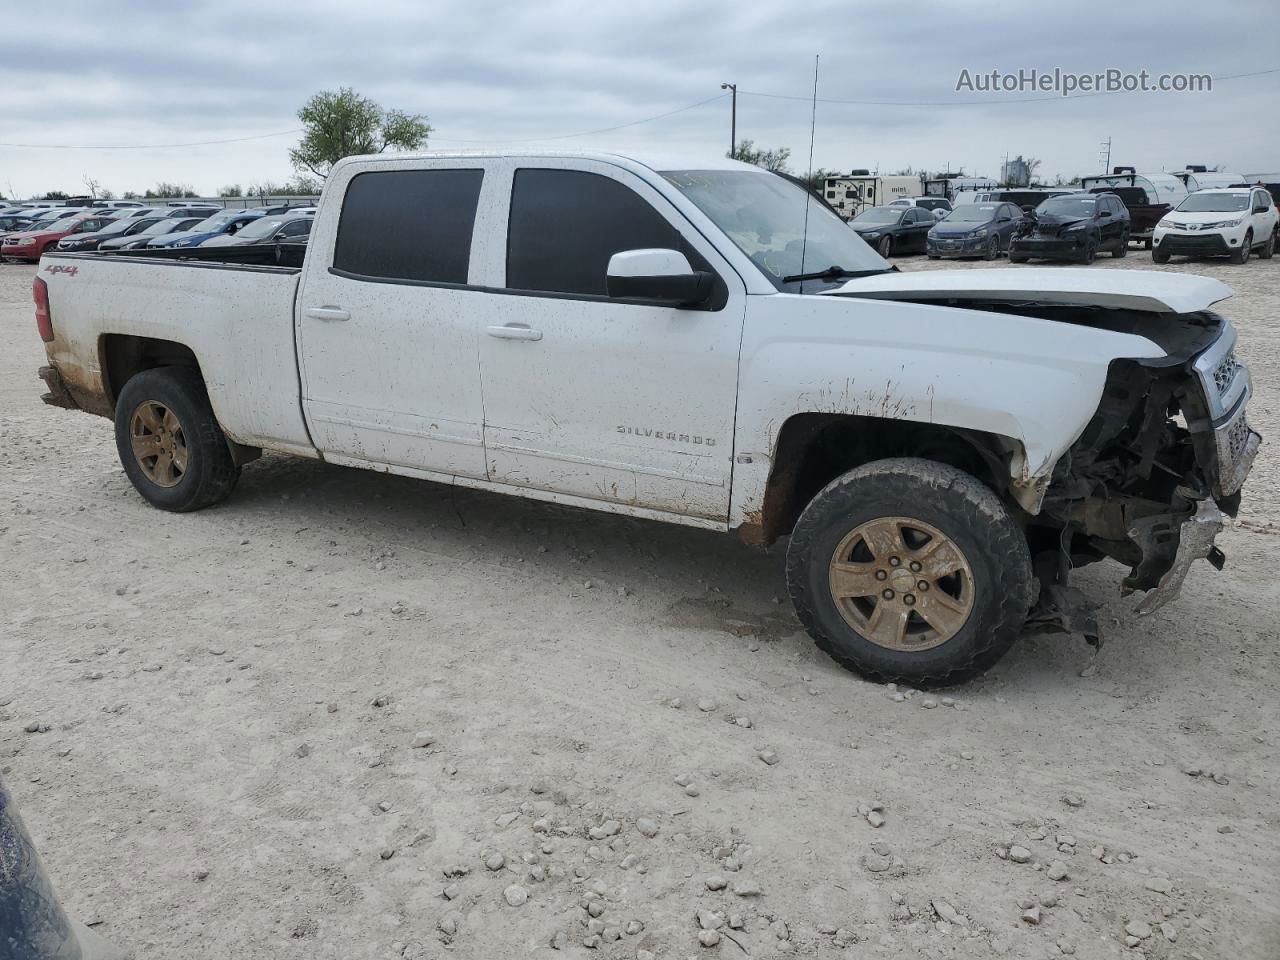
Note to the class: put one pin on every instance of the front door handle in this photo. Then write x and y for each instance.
(328, 313)
(514, 331)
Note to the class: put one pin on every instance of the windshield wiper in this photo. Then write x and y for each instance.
(833, 273)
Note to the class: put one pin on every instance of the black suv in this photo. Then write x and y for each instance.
(1076, 226)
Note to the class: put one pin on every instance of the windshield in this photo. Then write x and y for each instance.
(1215, 203)
(260, 228)
(41, 225)
(118, 226)
(764, 216)
(215, 223)
(879, 215)
(972, 213)
(1063, 207)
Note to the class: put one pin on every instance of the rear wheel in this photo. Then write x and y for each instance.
(907, 569)
(169, 441)
(1242, 255)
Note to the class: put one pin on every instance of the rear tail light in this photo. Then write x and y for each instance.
(44, 322)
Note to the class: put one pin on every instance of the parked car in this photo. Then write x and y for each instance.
(894, 229)
(124, 227)
(1219, 223)
(921, 436)
(938, 206)
(30, 244)
(974, 230)
(268, 229)
(224, 221)
(158, 229)
(1073, 227)
(13, 223)
(1143, 214)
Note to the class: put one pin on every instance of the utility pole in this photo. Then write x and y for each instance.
(733, 116)
(1106, 152)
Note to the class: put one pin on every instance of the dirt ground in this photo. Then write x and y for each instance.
(232, 700)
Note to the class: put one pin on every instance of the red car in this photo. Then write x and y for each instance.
(30, 244)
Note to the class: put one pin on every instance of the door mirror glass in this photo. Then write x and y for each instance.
(1260, 208)
(1104, 213)
(658, 276)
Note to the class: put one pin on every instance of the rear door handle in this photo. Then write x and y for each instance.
(327, 313)
(514, 331)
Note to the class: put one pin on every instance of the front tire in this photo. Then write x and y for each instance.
(993, 249)
(1090, 251)
(1242, 255)
(169, 441)
(1159, 256)
(1268, 249)
(885, 247)
(910, 570)
(1123, 249)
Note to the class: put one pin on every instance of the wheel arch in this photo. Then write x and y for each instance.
(812, 449)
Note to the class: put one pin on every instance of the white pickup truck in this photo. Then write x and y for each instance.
(697, 342)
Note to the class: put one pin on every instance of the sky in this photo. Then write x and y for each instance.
(83, 78)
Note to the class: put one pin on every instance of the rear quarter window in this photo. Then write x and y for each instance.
(410, 225)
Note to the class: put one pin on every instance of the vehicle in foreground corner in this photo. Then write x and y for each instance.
(698, 342)
(1233, 223)
(894, 229)
(974, 230)
(1077, 226)
(33, 925)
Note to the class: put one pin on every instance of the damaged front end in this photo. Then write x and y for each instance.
(1151, 477)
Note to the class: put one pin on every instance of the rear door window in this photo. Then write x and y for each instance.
(408, 225)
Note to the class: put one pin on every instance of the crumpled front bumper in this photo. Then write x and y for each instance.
(1195, 542)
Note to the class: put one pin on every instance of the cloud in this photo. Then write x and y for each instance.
(120, 74)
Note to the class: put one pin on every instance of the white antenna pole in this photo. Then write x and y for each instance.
(813, 120)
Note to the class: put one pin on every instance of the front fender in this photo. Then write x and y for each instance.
(1035, 382)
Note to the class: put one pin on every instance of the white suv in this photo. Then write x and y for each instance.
(938, 206)
(1216, 223)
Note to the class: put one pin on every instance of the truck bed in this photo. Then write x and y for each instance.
(108, 309)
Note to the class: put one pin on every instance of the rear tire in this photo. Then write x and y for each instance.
(1242, 254)
(953, 628)
(169, 441)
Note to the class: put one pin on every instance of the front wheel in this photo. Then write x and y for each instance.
(1159, 256)
(885, 247)
(993, 249)
(1123, 249)
(169, 441)
(910, 570)
(1242, 255)
(1268, 249)
(1090, 250)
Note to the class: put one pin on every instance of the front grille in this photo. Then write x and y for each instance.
(1225, 372)
(1237, 437)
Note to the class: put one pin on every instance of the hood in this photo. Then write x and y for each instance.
(958, 228)
(36, 234)
(1210, 216)
(221, 240)
(872, 227)
(169, 239)
(1143, 290)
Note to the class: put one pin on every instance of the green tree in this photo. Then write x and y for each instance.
(817, 180)
(231, 190)
(345, 124)
(54, 195)
(169, 191)
(774, 160)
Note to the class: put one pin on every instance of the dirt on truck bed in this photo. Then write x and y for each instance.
(349, 715)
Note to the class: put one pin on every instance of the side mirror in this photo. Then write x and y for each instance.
(658, 276)
(1104, 213)
(1261, 209)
